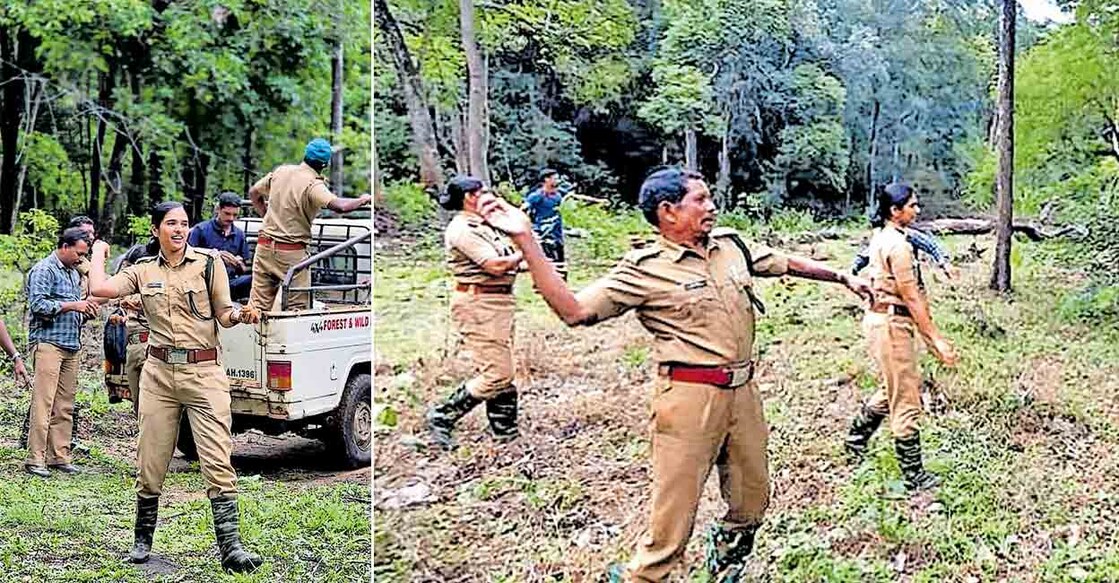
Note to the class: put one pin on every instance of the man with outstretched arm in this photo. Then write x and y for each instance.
(693, 289)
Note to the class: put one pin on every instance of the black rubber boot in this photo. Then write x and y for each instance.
(727, 549)
(863, 426)
(147, 512)
(227, 527)
(502, 413)
(441, 419)
(909, 458)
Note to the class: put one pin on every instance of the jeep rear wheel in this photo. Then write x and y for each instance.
(350, 430)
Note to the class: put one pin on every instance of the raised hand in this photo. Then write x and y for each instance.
(503, 216)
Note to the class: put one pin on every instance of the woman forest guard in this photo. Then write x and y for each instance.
(899, 313)
(185, 295)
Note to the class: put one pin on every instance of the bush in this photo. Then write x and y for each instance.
(409, 202)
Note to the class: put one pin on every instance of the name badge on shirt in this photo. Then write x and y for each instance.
(691, 285)
(154, 285)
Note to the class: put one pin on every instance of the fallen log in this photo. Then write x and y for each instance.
(984, 226)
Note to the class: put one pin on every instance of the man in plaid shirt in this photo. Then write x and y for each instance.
(57, 312)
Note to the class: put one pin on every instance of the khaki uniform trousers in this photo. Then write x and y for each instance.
(52, 405)
(485, 324)
(203, 390)
(134, 358)
(893, 347)
(270, 265)
(694, 427)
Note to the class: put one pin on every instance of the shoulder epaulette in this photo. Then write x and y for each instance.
(636, 256)
(147, 259)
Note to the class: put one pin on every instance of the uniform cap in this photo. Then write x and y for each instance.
(317, 150)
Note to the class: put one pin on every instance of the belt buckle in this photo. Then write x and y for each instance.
(741, 375)
(177, 356)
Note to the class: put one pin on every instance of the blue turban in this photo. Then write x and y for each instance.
(317, 150)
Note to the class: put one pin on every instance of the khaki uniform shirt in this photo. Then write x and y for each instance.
(469, 242)
(698, 309)
(891, 264)
(295, 194)
(166, 292)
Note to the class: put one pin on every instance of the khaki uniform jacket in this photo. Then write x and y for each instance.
(698, 309)
(469, 242)
(891, 264)
(295, 194)
(171, 294)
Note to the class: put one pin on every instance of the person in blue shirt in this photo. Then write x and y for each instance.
(543, 206)
(221, 234)
(921, 241)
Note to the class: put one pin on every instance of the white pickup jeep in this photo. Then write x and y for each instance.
(307, 371)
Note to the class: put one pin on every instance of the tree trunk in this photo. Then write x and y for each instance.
(336, 108)
(33, 98)
(114, 182)
(477, 121)
(104, 99)
(247, 161)
(691, 150)
(1004, 181)
(462, 149)
(423, 131)
(11, 113)
(871, 186)
(722, 182)
(155, 181)
(378, 187)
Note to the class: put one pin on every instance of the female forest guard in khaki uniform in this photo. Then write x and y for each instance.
(185, 295)
(483, 263)
(899, 313)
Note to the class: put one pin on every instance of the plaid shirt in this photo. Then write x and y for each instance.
(49, 285)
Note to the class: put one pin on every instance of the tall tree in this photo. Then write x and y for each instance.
(419, 116)
(477, 119)
(1000, 271)
(336, 73)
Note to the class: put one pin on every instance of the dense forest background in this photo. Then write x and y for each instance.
(108, 106)
(803, 103)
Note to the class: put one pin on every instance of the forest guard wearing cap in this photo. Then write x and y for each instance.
(288, 198)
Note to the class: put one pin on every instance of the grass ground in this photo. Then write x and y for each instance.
(309, 521)
(1024, 433)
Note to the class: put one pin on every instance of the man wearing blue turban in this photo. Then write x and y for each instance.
(288, 198)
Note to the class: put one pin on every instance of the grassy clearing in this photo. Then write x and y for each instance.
(1023, 433)
(79, 528)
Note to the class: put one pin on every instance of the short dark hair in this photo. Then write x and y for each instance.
(456, 191)
(665, 184)
(545, 173)
(228, 199)
(895, 194)
(80, 220)
(71, 235)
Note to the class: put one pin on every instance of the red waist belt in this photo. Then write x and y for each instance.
(262, 240)
(480, 288)
(729, 377)
(183, 355)
(895, 309)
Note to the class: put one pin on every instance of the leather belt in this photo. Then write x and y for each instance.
(138, 337)
(481, 288)
(725, 377)
(892, 309)
(183, 355)
(267, 241)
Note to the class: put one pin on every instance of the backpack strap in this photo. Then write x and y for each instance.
(738, 242)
